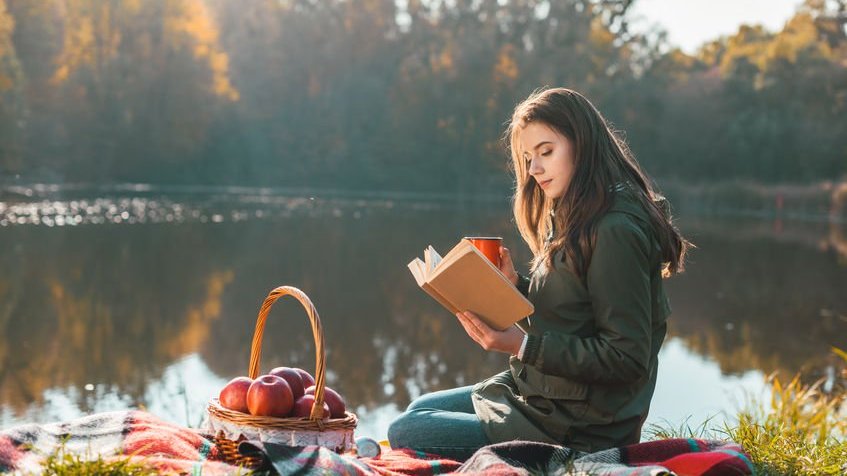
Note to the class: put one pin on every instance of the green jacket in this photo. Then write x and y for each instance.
(589, 368)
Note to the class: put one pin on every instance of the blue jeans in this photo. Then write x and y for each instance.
(442, 423)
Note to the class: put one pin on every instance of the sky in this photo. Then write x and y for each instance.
(690, 23)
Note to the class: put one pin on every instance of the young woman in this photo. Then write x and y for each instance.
(582, 372)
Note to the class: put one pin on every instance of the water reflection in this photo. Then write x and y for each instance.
(763, 296)
(163, 312)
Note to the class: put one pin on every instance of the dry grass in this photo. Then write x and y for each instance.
(800, 431)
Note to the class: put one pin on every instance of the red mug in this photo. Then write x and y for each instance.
(489, 246)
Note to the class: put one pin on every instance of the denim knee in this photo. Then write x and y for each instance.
(398, 431)
(453, 399)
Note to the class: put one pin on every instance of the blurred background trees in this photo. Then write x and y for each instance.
(378, 94)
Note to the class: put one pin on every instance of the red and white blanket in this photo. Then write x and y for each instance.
(170, 448)
(138, 435)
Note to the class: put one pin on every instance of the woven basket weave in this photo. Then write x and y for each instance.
(231, 427)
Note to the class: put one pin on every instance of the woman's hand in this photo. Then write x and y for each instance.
(506, 265)
(508, 341)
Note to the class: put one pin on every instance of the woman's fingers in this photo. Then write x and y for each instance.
(507, 267)
(505, 256)
(508, 341)
(488, 338)
(476, 322)
(470, 330)
(505, 260)
(478, 330)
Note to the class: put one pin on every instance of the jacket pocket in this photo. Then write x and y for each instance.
(532, 383)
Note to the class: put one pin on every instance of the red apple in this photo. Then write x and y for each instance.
(292, 377)
(270, 395)
(337, 407)
(234, 394)
(306, 376)
(303, 407)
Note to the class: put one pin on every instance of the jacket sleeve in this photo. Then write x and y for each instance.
(618, 284)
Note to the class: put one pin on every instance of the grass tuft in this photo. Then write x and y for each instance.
(66, 463)
(800, 431)
(665, 430)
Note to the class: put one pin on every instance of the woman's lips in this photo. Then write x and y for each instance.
(544, 183)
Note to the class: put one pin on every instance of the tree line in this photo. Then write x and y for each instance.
(376, 94)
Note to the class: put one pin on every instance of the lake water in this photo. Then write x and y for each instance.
(146, 299)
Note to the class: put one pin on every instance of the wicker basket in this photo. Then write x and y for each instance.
(231, 428)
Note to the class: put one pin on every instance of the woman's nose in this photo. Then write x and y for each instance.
(535, 167)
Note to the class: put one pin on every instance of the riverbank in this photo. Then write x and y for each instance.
(801, 431)
(823, 201)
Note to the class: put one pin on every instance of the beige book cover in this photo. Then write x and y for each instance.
(464, 280)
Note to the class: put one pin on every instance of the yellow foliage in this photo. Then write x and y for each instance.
(194, 22)
(600, 36)
(677, 56)
(10, 71)
(7, 26)
(799, 34)
(91, 38)
(506, 67)
(749, 43)
(219, 61)
(61, 74)
(442, 61)
(132, 6)
(799, 38)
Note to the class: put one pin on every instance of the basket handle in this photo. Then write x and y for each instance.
(317, 333)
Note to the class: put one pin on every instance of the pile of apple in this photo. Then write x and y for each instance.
(283, 392)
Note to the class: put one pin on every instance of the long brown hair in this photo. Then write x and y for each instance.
(602, 160)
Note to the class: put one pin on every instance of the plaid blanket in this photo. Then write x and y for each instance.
(314, 461)
(690, 457)
(170, 448)
(138, 435)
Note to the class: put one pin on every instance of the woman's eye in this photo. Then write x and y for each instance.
(545, 154)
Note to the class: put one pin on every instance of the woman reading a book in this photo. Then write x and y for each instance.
(583, 366)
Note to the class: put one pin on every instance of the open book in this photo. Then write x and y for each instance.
(465, 280)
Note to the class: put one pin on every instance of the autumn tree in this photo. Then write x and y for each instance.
(410, 96)
(12, 104)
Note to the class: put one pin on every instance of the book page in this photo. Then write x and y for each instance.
(416, 266)
(462, 248)
(432, 259)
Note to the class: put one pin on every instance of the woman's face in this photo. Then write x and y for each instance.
(549, 158)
